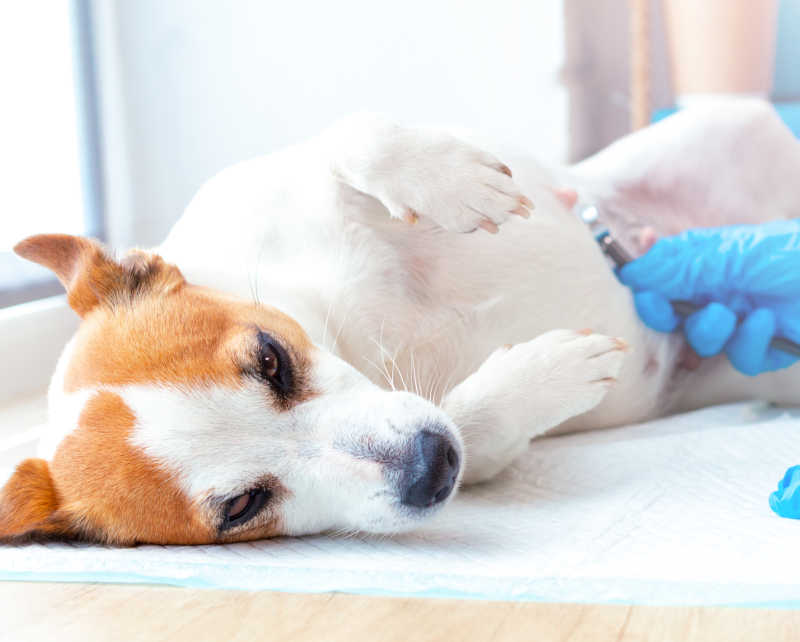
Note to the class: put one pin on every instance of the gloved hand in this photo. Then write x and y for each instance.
(746, 278)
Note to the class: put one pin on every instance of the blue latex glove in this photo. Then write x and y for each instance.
(786, 500)
(746, 278)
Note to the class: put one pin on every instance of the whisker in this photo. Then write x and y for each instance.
(338, 270)
(384, 353)
(399, 371)
(341, 329)
(256, 281)
(378, 368)
(413, 374)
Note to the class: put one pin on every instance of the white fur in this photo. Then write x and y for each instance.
(64, 408)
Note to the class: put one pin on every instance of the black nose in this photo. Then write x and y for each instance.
(431, 471)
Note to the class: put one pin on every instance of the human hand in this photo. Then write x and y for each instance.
(744, 279)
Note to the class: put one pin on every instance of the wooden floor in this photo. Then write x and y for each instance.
(86, 612)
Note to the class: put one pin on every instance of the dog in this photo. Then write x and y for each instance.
(336, 336)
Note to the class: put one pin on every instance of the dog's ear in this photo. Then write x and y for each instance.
(91, 276)
(29, 504)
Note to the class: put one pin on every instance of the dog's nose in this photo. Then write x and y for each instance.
(432, 470)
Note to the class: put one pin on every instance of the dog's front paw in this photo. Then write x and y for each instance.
(522, 391)
(459, 187)
(562, 373)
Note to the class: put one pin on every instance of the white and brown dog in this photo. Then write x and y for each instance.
(396, 352)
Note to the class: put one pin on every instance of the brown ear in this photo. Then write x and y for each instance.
(86, 271)
(29, 503)
(90, 275)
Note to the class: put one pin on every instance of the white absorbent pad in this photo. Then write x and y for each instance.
(674, 511)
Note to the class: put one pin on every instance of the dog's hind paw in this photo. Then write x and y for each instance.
(418, 173)
(460, 188)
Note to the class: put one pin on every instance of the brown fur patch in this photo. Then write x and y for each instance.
(189, 337)
(100, 488)
(91, 276)
(112, 492)
(28, 501)
(143, 323)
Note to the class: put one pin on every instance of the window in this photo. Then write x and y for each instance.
(49, 159)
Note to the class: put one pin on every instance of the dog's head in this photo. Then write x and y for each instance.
(182, 415)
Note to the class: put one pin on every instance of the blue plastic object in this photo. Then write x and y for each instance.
(788, 111)
(786, 500)
(745, 280)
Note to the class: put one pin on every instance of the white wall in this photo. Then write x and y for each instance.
(190, 86)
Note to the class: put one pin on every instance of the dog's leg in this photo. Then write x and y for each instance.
(419, 172)
(524, 390)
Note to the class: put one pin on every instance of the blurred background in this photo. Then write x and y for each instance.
(116, 111)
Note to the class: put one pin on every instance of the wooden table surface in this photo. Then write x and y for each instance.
(86, 612)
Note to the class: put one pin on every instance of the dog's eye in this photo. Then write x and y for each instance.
(270, 362)
(274, 366)
(244, 507)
